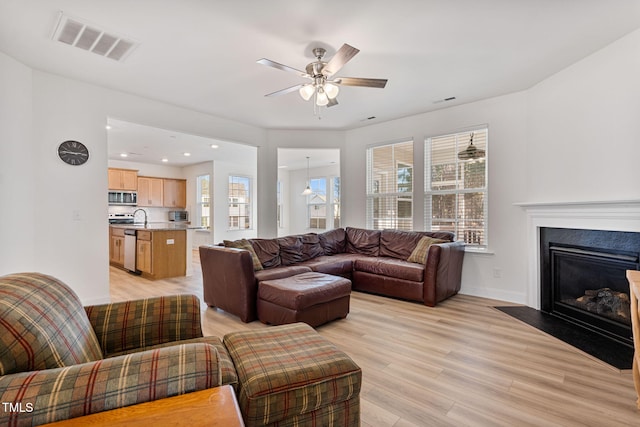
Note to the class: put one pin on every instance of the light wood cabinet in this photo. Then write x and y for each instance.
(150, 192)
(116, 246)
(162, 253)
(175, 193)
(144, 260)
(123, 179)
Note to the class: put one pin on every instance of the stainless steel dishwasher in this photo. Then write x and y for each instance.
(130, 250)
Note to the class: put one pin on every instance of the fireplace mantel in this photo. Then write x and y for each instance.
(612, 215)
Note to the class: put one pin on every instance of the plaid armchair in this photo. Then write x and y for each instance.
(61, 360)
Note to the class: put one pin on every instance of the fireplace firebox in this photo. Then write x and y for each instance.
(583, 278)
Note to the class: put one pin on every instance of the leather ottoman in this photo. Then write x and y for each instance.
(312, 298)
(290, 375)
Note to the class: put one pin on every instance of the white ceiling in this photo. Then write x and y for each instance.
(202, 55)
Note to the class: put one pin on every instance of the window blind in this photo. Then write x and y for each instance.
(390, 186)
(455, 187)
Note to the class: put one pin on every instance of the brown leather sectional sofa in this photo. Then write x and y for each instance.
(374, 260)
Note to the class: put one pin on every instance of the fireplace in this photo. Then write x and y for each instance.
(583, 278)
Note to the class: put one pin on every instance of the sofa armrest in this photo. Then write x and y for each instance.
(129, 325)
(38, 397)
(443, 271)
(228, 280)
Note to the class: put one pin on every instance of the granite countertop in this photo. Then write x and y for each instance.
(158, 226)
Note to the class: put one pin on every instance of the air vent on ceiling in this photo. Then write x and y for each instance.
(451, 98)
(88, 37)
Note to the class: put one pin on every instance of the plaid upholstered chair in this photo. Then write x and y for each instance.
(61, 360)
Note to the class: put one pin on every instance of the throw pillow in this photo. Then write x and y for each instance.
(246, 245)
(419, 254)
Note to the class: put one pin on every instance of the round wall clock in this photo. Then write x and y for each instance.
(73, 153)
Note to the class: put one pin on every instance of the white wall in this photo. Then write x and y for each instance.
(65, 207)
(571, 137)
(584, 128)
(18, 169)
(506, 119)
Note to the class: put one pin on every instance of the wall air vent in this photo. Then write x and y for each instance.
(74, 32)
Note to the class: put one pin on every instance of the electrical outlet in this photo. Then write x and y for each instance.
(497, 273)
(75, 215)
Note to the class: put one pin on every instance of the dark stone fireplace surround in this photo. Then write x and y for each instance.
(582, 278)
(600, 215)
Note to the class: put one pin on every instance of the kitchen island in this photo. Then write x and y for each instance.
(155, 250)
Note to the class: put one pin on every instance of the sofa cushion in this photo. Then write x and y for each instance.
(246, 245)
(268, 251)
(280, 272)
(43, 325)
(311, 246)
(391, 267)
(361, 241)
(333, 241)
(227, 370)
(399, 244)
(290, 249)
(337, 265)
(291, 375)
(421, 251)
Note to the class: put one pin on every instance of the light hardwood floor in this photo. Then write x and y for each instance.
(460, 363)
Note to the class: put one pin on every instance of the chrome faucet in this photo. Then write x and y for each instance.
(145, 216)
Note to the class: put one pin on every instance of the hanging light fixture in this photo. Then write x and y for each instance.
(471, 152)
(324, 92)
(307, 190)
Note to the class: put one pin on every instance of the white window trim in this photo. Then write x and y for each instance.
(250, 204)
(480, 249)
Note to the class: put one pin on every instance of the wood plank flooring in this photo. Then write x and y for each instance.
(460, 363)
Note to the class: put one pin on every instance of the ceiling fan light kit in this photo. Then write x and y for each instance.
(323, 89)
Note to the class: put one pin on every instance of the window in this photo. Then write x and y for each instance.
(335, 186)
(390, 186)
(203, 194)
(456, 188)
(317, 203)
(323, 204)
(279, 204)
(239, 202)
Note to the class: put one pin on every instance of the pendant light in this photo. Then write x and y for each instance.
(471, 152)
(307, 190)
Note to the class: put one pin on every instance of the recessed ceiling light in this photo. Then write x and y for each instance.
(214, 146)
(107, 127)
(124, 155)
(283, 166)
(164, 159)
(186, 154)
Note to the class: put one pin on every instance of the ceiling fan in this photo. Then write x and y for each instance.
(324, 85)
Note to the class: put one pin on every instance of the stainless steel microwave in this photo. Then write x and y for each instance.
(179, 216)
(123, 198)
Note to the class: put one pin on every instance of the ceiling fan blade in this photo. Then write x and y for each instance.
(273, 64)
(332, 102)
(358, 81)
(287, 90)
(342, 56)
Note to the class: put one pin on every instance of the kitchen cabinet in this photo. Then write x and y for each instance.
(175, 193)
(123, 179)
(161, 254)
(150, 192)
(143, 252)
(116, 246)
